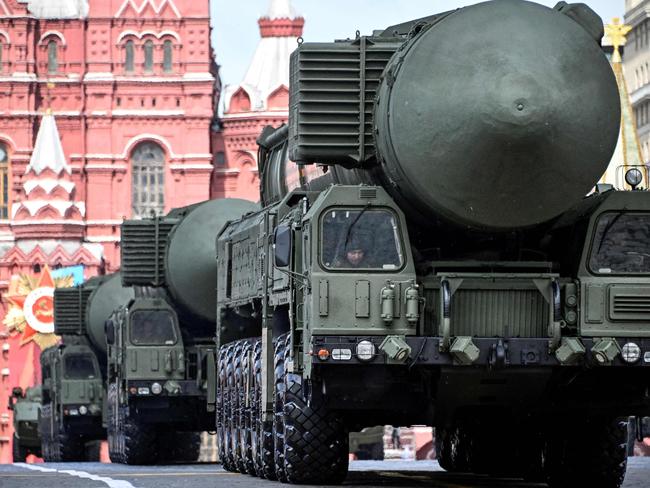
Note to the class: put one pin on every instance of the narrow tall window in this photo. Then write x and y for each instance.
(2, 47)
(148, 164)
(129, 56)
(52, 57)
(4, 182)
(167, 56)
(148, 56)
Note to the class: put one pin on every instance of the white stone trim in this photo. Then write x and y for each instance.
(144, 137)
(4, 8)
(99, 113)
(3, 32)
(99, 76)
(198, 76)
(62, 113)
(234, 171)
(100, 239)
(55, 33)
(104, 222)
(141, 8)
(4, 137)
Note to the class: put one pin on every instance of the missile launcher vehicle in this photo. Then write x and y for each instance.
(426, 255)
(74, 371)
(26, 408)
(161, 345)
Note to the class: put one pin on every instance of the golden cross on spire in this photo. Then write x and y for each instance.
(617, 33)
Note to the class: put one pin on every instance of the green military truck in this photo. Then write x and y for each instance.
(26, 408)
(426, 255)
(73, 386)
(161, 345)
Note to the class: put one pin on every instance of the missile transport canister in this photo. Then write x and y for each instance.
(166, 334)
(74, 372)
(426, 255)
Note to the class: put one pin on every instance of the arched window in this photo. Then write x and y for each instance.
(148, 162)
(4, 182)
(129, 56)
(148, 56)
(167, 56)
(52, 57)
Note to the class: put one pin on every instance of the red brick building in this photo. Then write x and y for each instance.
(105, 113)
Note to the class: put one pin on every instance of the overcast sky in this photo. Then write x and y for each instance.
(235, 34)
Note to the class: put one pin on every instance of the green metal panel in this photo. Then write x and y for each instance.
(362, 298)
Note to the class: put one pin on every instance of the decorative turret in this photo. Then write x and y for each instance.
(265, 86)
(49, 203)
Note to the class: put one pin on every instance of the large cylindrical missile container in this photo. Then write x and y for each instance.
(83, 310)
(178, 252)
(497, 116)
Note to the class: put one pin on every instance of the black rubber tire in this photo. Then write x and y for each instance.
(593, 454)
(315, 439)
(243, 374)
(139, 441)
(228, 461)
(68, 448)
(18, 451)
(264, 460)
(443, 449)
(278, 408)
(237, 400)
(223, 395)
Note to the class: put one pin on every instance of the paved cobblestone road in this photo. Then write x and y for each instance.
(363, 474)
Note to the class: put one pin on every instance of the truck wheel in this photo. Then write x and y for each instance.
(443, 449)
(264, 459)
(68, 448)
(18, 451)
(315, 440)
(138, 441)
(223, 397)
(236, 395)
(592, 454)
(242, 374)
(278, 408)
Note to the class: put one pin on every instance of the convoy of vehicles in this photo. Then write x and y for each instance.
(424, 254)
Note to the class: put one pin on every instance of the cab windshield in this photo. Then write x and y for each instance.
(621, 244)
(361, 239)
(79, 367)
(152, 328)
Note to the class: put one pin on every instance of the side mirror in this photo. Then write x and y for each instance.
(109, 330)
(283, 244)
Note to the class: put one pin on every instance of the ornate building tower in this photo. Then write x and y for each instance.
(261, 99)
(105, 113)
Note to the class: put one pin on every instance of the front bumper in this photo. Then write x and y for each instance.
(492, 352)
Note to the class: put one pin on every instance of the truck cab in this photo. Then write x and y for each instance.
(156, 385)
(26, 408)
(73, 397)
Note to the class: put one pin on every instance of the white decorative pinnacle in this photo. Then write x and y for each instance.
(48, 152)
(281, 9)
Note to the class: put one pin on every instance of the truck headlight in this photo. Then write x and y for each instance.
(631, 353)
(83, 410)
(156, 388)
(634, 177)
(365, 351)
